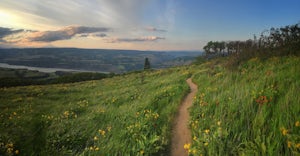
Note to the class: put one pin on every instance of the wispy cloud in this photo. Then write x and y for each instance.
(66, 33)
(8, 31)
(94, 22)
(113, 13)
(23, 37)
(99, 35)
(26, 38)
(153, 29)
(141, 39)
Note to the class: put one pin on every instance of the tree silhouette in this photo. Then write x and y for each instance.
(274, 42)
(147, 64)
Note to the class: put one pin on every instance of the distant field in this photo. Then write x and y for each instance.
(24, 73)
(24, 77)
(103, 60)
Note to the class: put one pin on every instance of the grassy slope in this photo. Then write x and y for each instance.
(117, 115)
(252, 111)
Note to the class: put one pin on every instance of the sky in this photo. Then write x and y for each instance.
(161, 25)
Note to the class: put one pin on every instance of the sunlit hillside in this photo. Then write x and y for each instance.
(129, 114)
(251, 110)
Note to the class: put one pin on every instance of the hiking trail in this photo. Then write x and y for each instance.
(181, 133)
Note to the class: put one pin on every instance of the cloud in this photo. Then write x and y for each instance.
(153, 29)
(32, 38)
(99, 35)
(93, 35)
(141, 39)
(84, 35)
(66, 33)
(7, 31)
(112, 13)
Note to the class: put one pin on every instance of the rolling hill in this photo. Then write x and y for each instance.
(250, 110)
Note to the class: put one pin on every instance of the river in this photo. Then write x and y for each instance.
(45, 70)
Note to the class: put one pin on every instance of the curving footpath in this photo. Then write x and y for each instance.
(181, 133)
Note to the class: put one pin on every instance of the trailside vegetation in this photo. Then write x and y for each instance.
(115, 116)
(254, 109)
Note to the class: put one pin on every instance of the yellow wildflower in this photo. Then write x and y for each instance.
(207, 131)
(17, 152)
(187, 146)
(206, 144)
(9, 150)
(9, 145)
(66, 114)
(194, 138)
(289, 144)
(284, 131)
(95, 138)
(298, 145)
(297, 123)
(109, 128)
(102, 132)
(219, 123)
(97, 149)
(194, 151)
(142, 152)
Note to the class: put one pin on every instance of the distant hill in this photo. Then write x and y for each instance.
(117, 61)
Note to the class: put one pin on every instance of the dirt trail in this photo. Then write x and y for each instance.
(181, 133)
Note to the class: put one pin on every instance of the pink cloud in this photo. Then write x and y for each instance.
(141, 39)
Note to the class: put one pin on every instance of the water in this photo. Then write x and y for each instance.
(41, 69)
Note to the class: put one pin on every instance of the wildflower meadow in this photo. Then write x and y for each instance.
(250, 110)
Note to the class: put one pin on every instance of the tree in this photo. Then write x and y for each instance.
(147, 64)
(221, 46)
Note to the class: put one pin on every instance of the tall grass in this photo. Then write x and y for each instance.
(116, 116)
(252, 111)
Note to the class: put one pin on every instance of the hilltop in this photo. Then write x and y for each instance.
(252, 109)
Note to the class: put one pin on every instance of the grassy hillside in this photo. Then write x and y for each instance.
(253, 110)
(117, 115)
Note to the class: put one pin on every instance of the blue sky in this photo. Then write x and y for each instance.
(139, 24)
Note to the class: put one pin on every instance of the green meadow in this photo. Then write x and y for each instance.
(252, 109)
(130, 114)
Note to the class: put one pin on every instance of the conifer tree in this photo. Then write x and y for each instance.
(147, 64)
